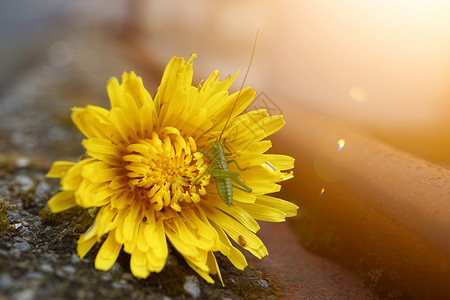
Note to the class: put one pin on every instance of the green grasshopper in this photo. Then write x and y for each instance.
(221, 173)
(219, 168)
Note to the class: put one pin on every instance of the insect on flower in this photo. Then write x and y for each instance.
(147, 176)
(242, 241)
(224, 178)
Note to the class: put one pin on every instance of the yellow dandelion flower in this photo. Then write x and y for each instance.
(147, 172)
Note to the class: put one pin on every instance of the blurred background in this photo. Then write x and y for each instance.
(377, 67)
(381, 67)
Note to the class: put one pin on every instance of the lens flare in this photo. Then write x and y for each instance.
(323, 190)
(341, 144)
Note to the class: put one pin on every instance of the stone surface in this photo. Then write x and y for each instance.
(191, 285)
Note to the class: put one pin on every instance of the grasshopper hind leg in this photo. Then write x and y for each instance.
(241, 186)
(235, 162)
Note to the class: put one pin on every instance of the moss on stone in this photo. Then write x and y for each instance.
(5, 227)
(250, 290)
(78, 218)
(171, 279)
(27, 197)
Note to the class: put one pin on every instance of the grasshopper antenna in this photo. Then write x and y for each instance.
(242, 85)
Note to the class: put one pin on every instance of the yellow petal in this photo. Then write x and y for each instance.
(234, 255)
(92, 121)
(141, 243)
(272, 124)
(156, 237)
(106, 218)
(179, 244)
(59, 169)
(243, 196)
(133, 86)
(148, 119)
(131, 222)
(237, 232)
(120, 221)
(114, 92)
(155, 263)
(91, 194)
(286, 176)
(118, 118)
(84, 245)
(264, 213)
(261, 180)
(103, 150)
(177, 75)
(289, 208)
(102, 174)
(199, 226)
(281, 162)
(187, 235)
(238, 213)
(246, 97)
(108, 253)
(247, 160)
(62, 201)
(92, 232)
(259, 147)
(202, 273)
(72, 180)
(138, 264)
(199, 261)
(118, 182)
(213, 266)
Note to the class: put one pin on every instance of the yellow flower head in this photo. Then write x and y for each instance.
(155, 176)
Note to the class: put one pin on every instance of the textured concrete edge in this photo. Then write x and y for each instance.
(388, 207)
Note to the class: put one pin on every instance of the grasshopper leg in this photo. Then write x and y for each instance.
(241, 186)
(235, 162)
(204, 173)
(228, 149)
(205, 154)
(230, 153)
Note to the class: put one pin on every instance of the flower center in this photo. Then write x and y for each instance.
(162, 170)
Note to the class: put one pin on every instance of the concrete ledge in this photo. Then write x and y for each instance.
(383, 211)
